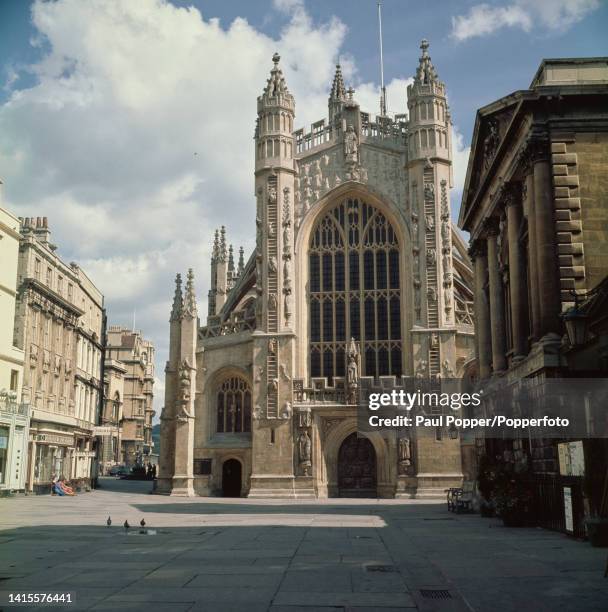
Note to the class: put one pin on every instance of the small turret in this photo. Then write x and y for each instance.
(241, 266)
(337, 96)
(274, 126)
(430, 125)
(189, 308)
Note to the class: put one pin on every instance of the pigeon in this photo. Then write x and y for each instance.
(126, 525)
(109, 522)
(142, 522)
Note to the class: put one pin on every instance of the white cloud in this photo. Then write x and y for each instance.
(136, 138)
(484, 19)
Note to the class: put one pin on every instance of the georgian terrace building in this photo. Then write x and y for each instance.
(59, 323)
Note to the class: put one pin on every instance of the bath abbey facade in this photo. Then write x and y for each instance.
(358, 278)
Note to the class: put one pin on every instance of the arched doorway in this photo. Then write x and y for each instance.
(231, 478)
(357, 468)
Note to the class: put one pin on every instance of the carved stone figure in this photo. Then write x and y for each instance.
(286, 413)
(273, 345)
(445, 233)
(490, 143)
(305, 452)
(430, 223)
(351, 145)
(304, 417)
(431, 257)
(429, 191)
(272, 194)
(272, 264)
(405, 455)
(272, 301)
(431, 294)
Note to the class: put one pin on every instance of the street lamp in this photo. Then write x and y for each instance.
(576, 322)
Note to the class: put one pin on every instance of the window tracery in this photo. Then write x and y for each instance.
(354, 291)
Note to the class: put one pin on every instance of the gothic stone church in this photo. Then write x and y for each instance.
(357, 277)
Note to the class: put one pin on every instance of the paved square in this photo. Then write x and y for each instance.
(249, 555)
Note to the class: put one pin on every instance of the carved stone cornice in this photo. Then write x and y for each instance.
(478, 248)
(491, 226)
(512, 194)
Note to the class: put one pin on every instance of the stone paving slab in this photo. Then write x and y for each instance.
(284, 555)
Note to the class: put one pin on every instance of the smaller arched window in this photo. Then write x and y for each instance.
(233, 406)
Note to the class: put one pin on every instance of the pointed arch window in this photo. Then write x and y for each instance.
(233, 406)
(354, 291)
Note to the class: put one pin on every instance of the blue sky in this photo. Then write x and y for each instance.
(476, 71)
(104, 102)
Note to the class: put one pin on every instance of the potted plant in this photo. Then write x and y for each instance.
(513, 498)
(486, 480)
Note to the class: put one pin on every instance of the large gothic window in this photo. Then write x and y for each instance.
(354, 291)
(233, 399)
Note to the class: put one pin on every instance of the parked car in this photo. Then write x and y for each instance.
(119, 470)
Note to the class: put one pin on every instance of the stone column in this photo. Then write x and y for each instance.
(497, 306)
(478, 253)
(517, 283)
(528, 196)
(548, 279)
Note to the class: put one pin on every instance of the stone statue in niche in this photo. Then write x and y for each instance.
(429, 191)
(272, 346)
(184, 403)
(434, 341)
(430, 223)
(431, 294)
(405, 453)
(351, 145)
(431, 257)
(305, 452)
(352, 372)
(272, 301)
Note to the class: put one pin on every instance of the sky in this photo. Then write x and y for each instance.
(129, 124)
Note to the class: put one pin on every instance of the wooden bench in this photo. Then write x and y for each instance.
(460, 499)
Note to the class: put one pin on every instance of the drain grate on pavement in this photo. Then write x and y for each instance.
(435, 594)
(380, 568)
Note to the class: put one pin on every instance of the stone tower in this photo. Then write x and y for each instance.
(177, 416)
(272, 467)
(430, 180)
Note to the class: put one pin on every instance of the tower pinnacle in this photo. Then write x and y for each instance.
(425, 73)
(178, 299)
(189, 309)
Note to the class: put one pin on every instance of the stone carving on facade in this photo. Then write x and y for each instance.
(422, 369)
(273, 346)
(431, 294)
(431, 257)
(273, 386)
(286, 222)
(284, 373)
(352, 373)
(448, 371)
(184, 411)
(272, 264)
(430, 223)
(257, 412)
(304, 417)
(272, 301)
(429, 191)
(259, 374)
(287, 411)
(490, 143)
(351, 145)
(405, 455)
(272, 194)
(305, 452)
